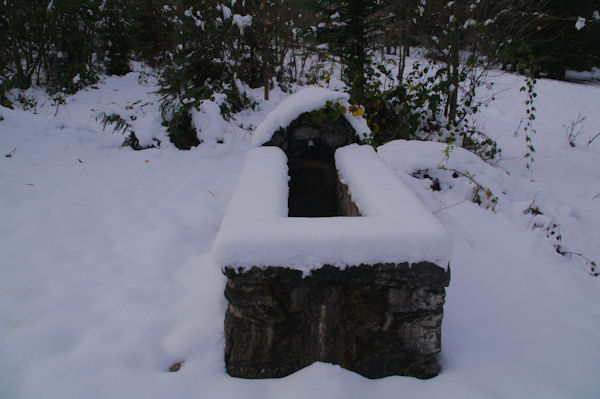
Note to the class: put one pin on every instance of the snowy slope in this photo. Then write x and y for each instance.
(106, 278)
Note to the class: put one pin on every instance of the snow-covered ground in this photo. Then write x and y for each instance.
(106, 277)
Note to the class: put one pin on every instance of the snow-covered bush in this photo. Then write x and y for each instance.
(417, 109)
(200, 67)
(543, 220)
(181, 130)
(125, 128)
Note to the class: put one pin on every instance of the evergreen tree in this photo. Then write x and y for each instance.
(199, 67)
(151, 31)
(350, 28)
(543, 35)
(561, 45)
(24, 31)
(115, 34)
(266, 42)
(70, 62)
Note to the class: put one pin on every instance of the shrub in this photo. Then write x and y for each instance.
(181, 130)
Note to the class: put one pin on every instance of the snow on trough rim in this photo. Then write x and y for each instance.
(306, 100)
(395, 226)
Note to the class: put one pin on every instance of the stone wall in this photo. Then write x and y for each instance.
(306, 139)
(378, 320)
(345, 204)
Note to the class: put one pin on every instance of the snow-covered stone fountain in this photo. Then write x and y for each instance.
(359, 281)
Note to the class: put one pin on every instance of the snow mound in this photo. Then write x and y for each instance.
(410, 156)
(209, 123)
(395, 226)
(306, 100)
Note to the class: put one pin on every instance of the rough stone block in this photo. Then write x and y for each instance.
(378, 320)
(306, 139)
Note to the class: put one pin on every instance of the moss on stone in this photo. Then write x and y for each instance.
(331, 112)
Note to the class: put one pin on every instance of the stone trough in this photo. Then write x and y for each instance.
(359, 282)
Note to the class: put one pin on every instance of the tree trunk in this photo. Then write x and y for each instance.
(402, 62)
(453, 95)
(266, 71)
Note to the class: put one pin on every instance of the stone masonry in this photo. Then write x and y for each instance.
(378, 320)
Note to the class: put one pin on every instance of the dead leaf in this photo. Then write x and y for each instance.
(176, 366)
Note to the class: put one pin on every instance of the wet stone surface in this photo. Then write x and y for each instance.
(306, 139)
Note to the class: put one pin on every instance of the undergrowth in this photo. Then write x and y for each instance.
(544, 221)
(122, 126)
